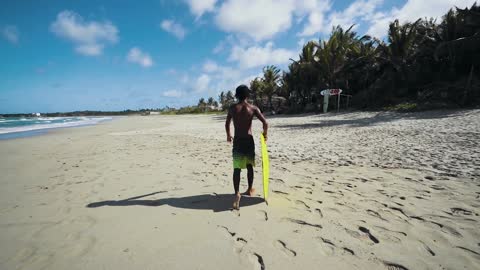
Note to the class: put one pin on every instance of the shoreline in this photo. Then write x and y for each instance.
(37, 130)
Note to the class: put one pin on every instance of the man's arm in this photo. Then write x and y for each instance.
(227, 126)
(260, 117)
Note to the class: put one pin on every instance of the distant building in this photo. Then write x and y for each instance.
(36, 114)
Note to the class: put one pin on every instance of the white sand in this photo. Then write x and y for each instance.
(348, 191)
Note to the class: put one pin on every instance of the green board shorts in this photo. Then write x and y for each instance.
(243, 152)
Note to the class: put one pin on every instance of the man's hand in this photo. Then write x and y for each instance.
(265, 136)
(229, 138)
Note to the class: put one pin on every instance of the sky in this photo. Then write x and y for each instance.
(117, 55)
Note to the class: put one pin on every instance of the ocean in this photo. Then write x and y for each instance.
(14, 127)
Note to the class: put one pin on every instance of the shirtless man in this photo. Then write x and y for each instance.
(243, 145)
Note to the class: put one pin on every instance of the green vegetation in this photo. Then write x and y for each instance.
(423, 64)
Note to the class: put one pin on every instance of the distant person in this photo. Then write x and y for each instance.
(243, 145)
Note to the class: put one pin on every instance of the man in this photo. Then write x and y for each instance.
(243, 145)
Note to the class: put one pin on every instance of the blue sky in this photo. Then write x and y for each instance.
(116, 55)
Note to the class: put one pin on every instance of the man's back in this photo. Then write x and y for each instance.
(242, 114)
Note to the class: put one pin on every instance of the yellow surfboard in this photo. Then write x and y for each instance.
(265, 167)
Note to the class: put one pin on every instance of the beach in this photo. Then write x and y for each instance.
(357, 190)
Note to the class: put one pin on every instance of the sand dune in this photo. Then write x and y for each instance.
(348, 191)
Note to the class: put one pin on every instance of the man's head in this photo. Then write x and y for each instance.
(242, 92)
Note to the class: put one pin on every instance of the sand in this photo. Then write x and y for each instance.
(348, 191)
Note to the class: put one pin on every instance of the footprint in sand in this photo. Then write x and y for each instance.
(240, 242)
(285, 248)
(427, 248)
(375, 214)
(262, 215)
(258, 261)
(394, 266)
(469, 251)
(23, 256)
(364, 234)
(301, 222)
(328, 247)
(303, 204)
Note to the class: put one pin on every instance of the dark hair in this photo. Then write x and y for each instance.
(242, 92)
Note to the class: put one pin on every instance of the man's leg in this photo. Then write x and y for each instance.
(250, 180)
(236, 180)
(236, 186)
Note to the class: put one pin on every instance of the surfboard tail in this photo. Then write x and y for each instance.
(265, 168)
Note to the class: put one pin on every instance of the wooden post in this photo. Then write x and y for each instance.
(325, 102)
(338, 103)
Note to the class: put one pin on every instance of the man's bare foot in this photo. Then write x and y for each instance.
(236, 202)
(249, 192)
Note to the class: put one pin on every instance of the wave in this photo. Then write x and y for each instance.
(9, 120)
(49, 118)
(83, 122)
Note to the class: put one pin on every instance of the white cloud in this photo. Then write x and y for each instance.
(173, 93)
(135, 55)
(89, 37)
(258, 19)
(321, 22)
(199, 7)
(10, 33)
(210, 66)
(411, 11)
(219, 47)
(89, 49)
(316, 16)
(202, 83)
(224, 78)
(257, 56)
(174, 28)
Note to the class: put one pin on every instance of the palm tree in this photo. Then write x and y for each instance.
(397, 56)
(303, 76)
(459, 34)
(221, 99)
(229, 100)
(256, 87)
(210, 101)
(271, 78)
(201, 104)
(458, 47)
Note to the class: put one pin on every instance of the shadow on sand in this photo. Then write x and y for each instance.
(351, 118)
(214, 202)
(377, 118)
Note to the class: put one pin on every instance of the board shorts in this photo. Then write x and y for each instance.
(243, 152)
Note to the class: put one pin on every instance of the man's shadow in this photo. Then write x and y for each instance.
(214, 202)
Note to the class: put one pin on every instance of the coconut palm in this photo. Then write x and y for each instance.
(256, 87)
(221, 99)
(271, 78)
(229, 99)
(210, 101)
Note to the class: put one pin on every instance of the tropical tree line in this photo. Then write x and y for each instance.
(425, 62)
